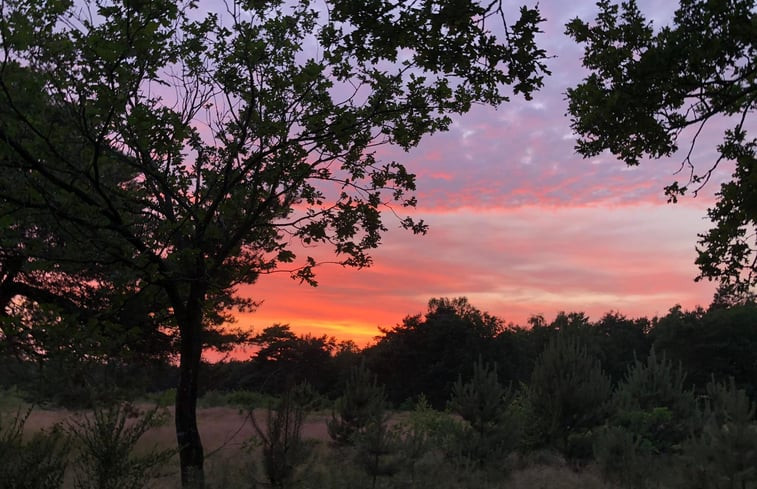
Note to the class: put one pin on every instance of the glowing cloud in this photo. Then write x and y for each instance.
(519, 223)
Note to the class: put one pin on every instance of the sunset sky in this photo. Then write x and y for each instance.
(519, 223)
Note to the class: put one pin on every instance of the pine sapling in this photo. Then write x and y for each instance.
(361, 402)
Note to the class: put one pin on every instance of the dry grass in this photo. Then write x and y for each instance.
(556, 477)
(226, 433)
(221, 428)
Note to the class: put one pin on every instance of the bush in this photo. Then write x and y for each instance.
(106, 443)
(621, 457)
(361, 402)
(491, 430)
(39, 463)
(724, 454)
(242, 399)
(164, 398)
(654, 404)
(566, 398)
(281, 438)
(652, 414)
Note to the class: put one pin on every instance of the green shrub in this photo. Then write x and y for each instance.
(724, 454)
(566, 398)
(362, 401)
(248, 399)
(242, 399)
(652, 414)
(106, 441)
(164, 398)
(281, 438)
(490, 431)
(37, 463)
(654, 404)
(621, 457)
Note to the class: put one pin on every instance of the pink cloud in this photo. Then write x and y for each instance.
(520, 224)
(510, 262)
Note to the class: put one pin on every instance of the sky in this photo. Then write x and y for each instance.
(519, 223)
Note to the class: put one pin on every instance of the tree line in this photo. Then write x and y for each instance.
(424, 355)
(667, 400)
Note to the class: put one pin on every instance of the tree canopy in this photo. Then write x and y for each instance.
(646, 86)
(199, 150)
(436, 348)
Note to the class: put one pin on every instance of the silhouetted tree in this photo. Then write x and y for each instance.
(720, 342)
(286, 359)
(437, 348)
(646, 85)
(285, 155)
(729, 295)
(620, 340)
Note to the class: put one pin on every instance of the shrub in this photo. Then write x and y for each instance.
(566, 398)
(39, 463)
(652, 414)
(163, 398)
(359, 405)
(654, 404)
(281, 438)
(621, 457)
(491, 431)
(379, 448)
(242, 399)
(106, 442)
(724, 454)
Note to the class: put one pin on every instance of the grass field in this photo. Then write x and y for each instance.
(227, 433)
(233, 457)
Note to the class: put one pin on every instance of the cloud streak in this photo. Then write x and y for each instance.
(510, 262)
(520, 224)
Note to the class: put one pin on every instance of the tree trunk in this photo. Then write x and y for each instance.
(191, 454)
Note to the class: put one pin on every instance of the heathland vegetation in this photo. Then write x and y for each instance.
(155, 156)
(451, 398)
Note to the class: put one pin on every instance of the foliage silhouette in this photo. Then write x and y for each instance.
(38, 462)
(567, 397)
(647, 85)
(361, 404)
(285, 155)
(485, 405)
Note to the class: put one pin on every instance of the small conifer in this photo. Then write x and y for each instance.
(652, 413)
(379, 446)
(483, 403)
(654, 403)
(283, 447)
(567, 396)
(359, 405)
(724, 454)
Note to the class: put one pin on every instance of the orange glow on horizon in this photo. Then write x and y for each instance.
(512, 263)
